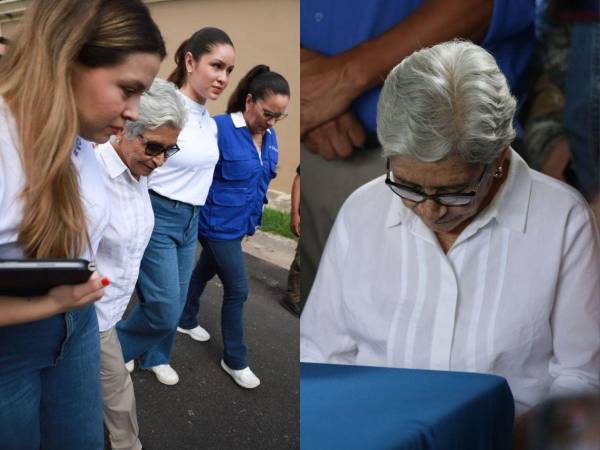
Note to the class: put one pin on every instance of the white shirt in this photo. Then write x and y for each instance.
(125, 238)
(12, 180)
(188, 174)
(517, 294)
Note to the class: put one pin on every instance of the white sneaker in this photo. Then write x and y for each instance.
(197, 334)
(130, 365)
(244, 377)
(165, 374)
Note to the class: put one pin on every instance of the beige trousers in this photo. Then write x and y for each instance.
(118, 399)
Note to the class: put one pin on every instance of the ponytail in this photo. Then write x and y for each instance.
(179, 73)
(259, 82)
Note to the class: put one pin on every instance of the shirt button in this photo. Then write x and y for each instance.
(319, 16)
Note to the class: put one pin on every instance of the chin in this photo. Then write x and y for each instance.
(99, 137)
(444, 227)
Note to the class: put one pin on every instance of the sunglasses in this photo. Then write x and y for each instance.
(153, 148)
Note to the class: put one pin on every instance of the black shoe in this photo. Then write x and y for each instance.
(294, 308)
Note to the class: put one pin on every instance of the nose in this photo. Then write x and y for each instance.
(223, 78)
(431, 210)
(132, 109)
(159, 160)
(271, 122)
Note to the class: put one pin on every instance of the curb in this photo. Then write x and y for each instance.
(275, 249)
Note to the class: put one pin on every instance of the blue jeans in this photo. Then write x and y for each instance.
(50, 383)
(225, 259)
(581, 115)
(149, 330)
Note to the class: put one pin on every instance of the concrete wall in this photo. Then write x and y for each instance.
(263, 32)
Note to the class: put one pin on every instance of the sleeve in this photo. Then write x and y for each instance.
(510, 18)
(575, 320)
(324, 336)
(510, 38)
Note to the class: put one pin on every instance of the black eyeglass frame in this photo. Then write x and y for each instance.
(467, 197)
(167, 151)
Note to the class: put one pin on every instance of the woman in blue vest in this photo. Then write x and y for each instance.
(248, 156)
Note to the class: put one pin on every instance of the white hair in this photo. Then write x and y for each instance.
(159, 106)
(445, 100)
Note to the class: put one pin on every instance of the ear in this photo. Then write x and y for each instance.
(189, 62)
(248, 100)
(503, 155)
(120, 135)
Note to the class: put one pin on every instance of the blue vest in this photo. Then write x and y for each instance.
(238, 192)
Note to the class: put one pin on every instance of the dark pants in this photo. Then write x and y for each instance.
(225, 259)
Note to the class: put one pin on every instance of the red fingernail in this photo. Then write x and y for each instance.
(105, 282)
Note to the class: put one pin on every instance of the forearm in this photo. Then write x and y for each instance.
(296, 195)
(368, 64)
(16, 310)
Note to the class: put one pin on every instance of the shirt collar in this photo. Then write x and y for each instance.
(238, 119)
(239, 122)
(509, 206)
(191, 105)
(112, 161)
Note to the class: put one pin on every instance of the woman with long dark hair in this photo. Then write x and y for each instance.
(247, 163)
(177, 190)
(74, 73)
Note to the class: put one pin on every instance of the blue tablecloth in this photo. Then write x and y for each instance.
(353, 407)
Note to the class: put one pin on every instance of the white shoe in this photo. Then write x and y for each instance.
(244, 377)
(130, 365)
(165, 374)
(197, 334)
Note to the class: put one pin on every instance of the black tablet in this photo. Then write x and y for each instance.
(31, 277)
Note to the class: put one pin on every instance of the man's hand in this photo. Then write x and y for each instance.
(326, 88)
(336, 138)
(295, 224)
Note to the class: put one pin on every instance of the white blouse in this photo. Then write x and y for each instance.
(125, 238)
(12, 180)
(188, 174)
(517, 295)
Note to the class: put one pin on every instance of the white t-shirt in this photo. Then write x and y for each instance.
(125, 238)
(12, 180)
(188, 174)
(517, 294)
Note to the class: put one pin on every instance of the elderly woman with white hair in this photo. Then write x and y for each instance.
(127, 159)
(460, 257)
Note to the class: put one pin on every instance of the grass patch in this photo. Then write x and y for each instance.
(276, 222)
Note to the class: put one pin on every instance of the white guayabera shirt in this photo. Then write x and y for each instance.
(125, 238)
(517, 295)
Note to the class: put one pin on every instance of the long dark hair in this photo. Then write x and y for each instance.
(259, 82)
(201, 42)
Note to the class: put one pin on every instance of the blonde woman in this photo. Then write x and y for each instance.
(74, 74)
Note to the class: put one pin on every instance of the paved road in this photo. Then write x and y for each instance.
(207, 410)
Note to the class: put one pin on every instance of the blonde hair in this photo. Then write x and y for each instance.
(35, 81)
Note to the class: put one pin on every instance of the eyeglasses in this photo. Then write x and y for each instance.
(446, 199)
(270, 115)
(153, 148)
